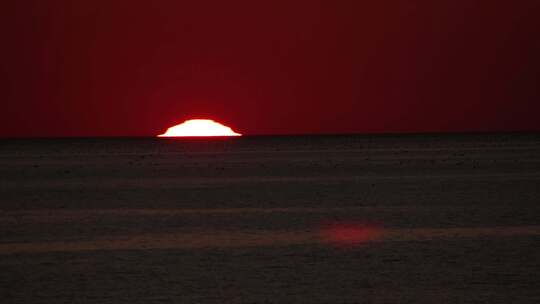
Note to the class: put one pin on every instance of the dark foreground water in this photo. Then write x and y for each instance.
(314, 219)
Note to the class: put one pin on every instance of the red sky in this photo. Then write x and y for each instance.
(134, 68)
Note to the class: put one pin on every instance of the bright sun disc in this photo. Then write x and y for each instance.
(199, 127)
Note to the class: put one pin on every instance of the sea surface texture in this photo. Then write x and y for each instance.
(293, 219)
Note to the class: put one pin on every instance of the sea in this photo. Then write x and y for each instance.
(373, 218)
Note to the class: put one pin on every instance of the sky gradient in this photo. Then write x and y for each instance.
(135, 68)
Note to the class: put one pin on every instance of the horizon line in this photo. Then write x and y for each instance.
(403, 133)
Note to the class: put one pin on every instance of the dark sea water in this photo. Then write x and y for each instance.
(451, 218)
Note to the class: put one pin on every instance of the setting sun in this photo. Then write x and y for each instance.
(199, 127)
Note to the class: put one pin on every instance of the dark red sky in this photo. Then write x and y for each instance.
(92, 68)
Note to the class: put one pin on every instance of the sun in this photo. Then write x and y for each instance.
(199, 127)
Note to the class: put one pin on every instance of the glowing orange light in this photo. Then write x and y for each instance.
(199, 127)
(350, 234)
